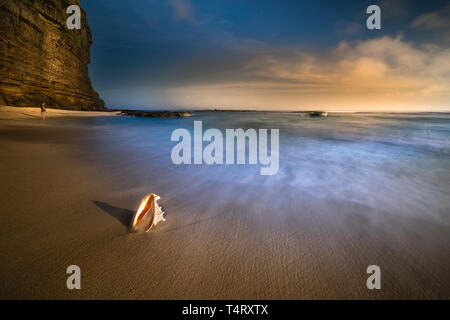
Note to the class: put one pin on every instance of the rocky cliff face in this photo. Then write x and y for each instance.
(41, 60)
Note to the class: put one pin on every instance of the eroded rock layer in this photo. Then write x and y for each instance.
(41, 60)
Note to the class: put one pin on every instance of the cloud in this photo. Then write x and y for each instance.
(385, 66)
(349, 28)
(394, 8)
(434, 20)
(378, 73)
(446, 37)
(183, 11)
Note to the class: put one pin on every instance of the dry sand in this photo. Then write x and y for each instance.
(14, 113)
(67, 199)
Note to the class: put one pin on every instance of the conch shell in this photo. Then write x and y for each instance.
(148, 215)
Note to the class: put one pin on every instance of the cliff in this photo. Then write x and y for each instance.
(41, 60)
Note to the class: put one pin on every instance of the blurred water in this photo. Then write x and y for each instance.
(352, 190)
(392, 162)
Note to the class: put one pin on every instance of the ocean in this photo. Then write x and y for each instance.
(398, 162)
(352, 191)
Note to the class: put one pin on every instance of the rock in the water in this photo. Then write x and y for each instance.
(318, 114)
(41, 60)
(156, 114)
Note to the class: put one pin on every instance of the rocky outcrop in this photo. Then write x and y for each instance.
(318, 114)
(155, 114)
(41, 60)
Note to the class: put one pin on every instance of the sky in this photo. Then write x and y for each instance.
(270, 55)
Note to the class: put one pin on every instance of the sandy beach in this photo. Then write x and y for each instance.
(69, 187)
(22, 113)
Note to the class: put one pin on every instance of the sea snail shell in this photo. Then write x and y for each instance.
(148, 215)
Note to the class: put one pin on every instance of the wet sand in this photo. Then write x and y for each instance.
(67, 197)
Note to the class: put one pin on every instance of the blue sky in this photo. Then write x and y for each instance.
(277, 55)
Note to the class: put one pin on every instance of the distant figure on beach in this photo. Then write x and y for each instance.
(43, 110)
